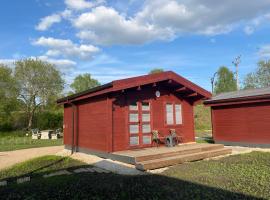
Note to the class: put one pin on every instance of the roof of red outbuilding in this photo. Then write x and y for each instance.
(241, 96)
(122, 84)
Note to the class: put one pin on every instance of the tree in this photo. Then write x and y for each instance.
(225, 82)
(8, 91)
(83, 82)
(156, 70)
(37, 82)
(260, 78)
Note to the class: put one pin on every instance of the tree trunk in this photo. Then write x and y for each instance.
(30, 120)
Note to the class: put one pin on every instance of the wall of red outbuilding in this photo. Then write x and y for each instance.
(67, 124)
(120, 114)
(102, 122)
(243, 123)
(92, 124)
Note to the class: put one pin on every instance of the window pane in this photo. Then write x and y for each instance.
(169, 113)
(145, 106)
(146, 128)
(133, 128)
(133, 117)
(146, 117)
(146, 139)
(133, 106)
(178, 114)
(134, 141)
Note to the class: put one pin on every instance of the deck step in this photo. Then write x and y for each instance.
(168, 161)
(177, 152)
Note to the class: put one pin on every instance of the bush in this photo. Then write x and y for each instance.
(48, 120)
(42, 120)
(6, 126)
(19, 121)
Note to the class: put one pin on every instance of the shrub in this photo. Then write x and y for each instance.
(48, 120)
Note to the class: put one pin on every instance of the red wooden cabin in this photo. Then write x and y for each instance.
(241, 117)
(121, 115)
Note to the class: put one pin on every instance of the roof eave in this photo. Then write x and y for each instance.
(73, 97)
(237, 100)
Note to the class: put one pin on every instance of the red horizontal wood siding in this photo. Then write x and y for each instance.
(67, 124)
(120, 114)
(102, 122)
(93, 123)
(246, 123)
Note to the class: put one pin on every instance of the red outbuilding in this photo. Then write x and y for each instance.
(241, 117)
(122, 114)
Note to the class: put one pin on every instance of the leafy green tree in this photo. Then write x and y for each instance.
(260, 78)
(156, 70)
(225, 82)
(83, 82)
(8, 92)
(37, 82)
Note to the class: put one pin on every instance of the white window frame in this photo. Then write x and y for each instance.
(177, 116)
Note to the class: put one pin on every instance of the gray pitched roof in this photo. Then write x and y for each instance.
(240, 94)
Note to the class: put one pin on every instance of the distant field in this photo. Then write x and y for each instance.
(15, 140)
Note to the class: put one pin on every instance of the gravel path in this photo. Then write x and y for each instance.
(9, 158)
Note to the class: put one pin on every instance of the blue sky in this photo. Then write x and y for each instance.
(118, 39)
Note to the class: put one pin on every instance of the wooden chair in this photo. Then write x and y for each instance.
(177, 138)
(156, 138)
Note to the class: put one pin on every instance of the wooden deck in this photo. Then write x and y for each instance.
(157, 157)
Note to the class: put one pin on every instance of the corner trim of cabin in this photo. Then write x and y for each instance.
(244, 144)
(106, 155)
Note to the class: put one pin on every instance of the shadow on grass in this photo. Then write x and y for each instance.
(42, 170)
(114, 186)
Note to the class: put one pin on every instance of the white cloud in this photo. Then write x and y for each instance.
(249, 30)
(66, 13)
(166, 19)
(264, 51)
(46, 22)
(8, 62)
(66, 48)
(62, 64)
(201, 17)
(106, 26)
(82, 4)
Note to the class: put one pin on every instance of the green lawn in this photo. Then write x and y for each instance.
(38, 166)
(245, 176)
(205, 140)
(15, 140)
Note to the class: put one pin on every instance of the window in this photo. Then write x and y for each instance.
(147, 140)
(133, 106)
(146, 128)
(173, 114)
(145, 106)
(133, 128)
(134, 141)
(178, 113)
(169, 114)
(146, 117)
(133, 117)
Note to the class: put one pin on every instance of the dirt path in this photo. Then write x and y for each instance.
(9, 158)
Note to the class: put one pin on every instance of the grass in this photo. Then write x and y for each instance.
(243, 176)
(247, 173)
(15, 140)
(39, 166)
(208, 140)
